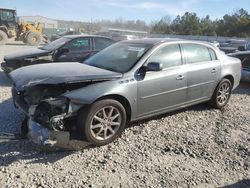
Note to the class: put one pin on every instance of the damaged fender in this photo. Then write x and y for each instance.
(93, 92)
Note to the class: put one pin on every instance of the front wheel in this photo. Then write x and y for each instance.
(33, 39)
(103, 121)
(221, 94)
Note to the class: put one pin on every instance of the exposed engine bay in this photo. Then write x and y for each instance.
(50, 114)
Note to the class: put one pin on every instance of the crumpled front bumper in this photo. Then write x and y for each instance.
(46, 137)
(43, 136)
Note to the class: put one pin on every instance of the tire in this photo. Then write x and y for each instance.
(33, 39)
(96, 128)
(3, 38)
(221, 94)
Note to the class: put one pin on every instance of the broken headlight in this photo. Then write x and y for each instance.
(51, 112)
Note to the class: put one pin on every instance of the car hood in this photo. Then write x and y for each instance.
(240, 53)
(57, 73)
(26, 54)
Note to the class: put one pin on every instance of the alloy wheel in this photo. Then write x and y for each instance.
(105, 123)
(223, 93)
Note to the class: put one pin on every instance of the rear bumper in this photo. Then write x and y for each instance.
(6, 68)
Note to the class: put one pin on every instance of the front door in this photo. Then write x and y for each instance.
(78, 50)
(163, 90)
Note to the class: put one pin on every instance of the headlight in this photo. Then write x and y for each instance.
(49, 108)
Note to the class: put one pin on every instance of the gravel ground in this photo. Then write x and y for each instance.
(193, 147)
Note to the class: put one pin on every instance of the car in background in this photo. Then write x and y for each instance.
(127, 81)
(233, 46)
(64, 33)
(72, 48)
(117, 37)
(244, 56)
(125, 37)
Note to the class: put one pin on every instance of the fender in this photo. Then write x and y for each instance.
(93, 92)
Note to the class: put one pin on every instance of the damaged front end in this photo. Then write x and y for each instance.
(42, 93)
(50, 121)
(50, 114)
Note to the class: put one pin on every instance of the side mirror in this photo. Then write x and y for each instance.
(153, 66)
(64, 50)
(241, 48)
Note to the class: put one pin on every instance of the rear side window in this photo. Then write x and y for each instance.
(168, 56)
(101, 43)
(196, 53)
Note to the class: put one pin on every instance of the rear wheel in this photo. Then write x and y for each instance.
(102, 122)
(33, 39)
(3, 38)
(221, 94)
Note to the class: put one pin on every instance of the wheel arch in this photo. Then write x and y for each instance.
(120, 99)
(230, 78)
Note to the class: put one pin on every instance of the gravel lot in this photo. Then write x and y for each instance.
(194, 147)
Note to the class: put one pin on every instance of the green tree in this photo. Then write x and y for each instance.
(163, 26)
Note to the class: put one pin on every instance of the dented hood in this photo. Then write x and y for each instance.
(57, 73)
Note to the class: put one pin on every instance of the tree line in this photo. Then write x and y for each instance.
(236, 24)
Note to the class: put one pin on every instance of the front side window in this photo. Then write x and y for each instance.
(196, 53)
(101, 43)
(80, 44)
(168, 56)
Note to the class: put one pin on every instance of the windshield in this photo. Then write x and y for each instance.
(120, 57)
(56, 44)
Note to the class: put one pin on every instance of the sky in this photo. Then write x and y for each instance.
(147, 10)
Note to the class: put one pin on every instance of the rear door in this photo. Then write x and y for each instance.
(79, 49)
(203, 69)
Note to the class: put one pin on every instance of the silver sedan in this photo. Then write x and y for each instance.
(127, 81)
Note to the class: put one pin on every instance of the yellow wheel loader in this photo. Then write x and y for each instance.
(26, 32)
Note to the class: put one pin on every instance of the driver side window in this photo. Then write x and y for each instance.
(80, 44)
(168, 56)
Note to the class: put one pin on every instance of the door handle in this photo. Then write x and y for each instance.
(213, 70)
(180, 77)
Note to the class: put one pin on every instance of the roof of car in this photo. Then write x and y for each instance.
(152, 40)
(77, 36)
(155, 41)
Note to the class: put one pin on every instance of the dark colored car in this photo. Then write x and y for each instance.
(244, 56)
(73, 48)
(59, 35)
